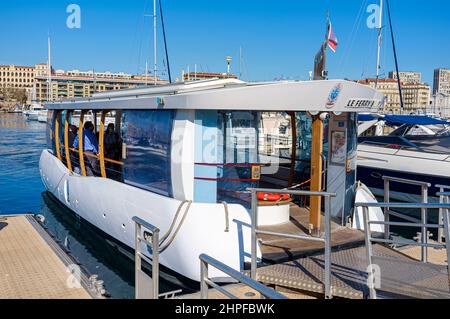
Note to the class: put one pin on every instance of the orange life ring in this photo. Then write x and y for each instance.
(270, 197)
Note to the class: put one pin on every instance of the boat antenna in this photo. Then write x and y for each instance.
(395, 57)
(380, 37)
(165, 42)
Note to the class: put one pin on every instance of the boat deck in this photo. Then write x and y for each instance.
(277, 249)
(32, 266)
(401, 276)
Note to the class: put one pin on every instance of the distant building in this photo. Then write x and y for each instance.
(389, 88)
(416, 96)
(75, 83)
(407, 76)
(441, 81)
(70, 84)
(440, 105)
(196, 76)
(17, 77)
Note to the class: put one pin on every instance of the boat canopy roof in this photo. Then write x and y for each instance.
(232, 94)
(403, 119)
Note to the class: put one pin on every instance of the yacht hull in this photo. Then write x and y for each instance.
(110, 206)
(375, 162)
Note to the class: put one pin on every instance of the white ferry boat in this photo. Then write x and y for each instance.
(187, 154)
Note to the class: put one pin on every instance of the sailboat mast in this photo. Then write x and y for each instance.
(154, 42)
(49, 67)
(380, 27)
(395, 57)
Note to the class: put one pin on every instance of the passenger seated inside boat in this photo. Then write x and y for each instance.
(112, 143)
(90, 148)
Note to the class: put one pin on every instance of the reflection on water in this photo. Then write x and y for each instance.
(21, 143)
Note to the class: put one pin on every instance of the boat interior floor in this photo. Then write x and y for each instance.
(278, 249)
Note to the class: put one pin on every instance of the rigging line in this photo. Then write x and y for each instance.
(140, 39)
(395, 57)
(133, 45)
(352, 35)
(165, 42)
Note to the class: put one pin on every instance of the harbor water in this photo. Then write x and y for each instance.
(22, 191)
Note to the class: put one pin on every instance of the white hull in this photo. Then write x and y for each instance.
(42, 116)
(33, 115)
(419, 163)
(110, 206)
(375, 162)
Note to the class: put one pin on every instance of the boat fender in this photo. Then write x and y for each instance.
(227, 217)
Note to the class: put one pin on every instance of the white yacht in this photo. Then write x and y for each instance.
(42, 116)
(417, 148)
(188, 152)
(33, 112)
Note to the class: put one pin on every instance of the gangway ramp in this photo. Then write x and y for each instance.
(401, 276)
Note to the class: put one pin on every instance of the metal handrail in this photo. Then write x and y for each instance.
(442, 189)
(403, 205)
(153, 243)
(326, 240)
(369, 239)
(406, 181)
(205, 281)
(424, 211)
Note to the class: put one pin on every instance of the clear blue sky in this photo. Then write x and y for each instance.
(279, 38)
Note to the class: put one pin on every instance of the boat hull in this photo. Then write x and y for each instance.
(110, 206)
(376, 162)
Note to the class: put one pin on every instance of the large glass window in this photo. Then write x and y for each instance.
(239, 148)
(147, 136)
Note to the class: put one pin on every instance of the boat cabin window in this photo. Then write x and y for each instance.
(236, 150)
(147, 137)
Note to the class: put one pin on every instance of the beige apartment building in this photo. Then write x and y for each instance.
(70, 84)
(16, 77)
(73, 84)
(416, 96)
(407, 76)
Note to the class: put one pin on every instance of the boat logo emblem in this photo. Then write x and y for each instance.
(334, 94)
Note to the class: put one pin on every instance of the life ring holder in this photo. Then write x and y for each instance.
(271, 199)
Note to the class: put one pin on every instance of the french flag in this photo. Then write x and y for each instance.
(332, 39)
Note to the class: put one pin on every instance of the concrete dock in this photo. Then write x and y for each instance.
(32, 265)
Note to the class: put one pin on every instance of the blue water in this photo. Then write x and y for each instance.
(21, 191)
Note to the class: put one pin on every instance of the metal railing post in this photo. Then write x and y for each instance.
(206, 282)
(328, 288)
(137, 259)
(446, 213)
(386, 209)
(424, 213)
(372, 291)
(441, 216)
(254, 252)
(203, 278)
(151, 239)
(155, 263)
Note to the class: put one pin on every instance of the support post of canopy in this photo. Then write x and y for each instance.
(101, 144)
(57, 144)
(80, 143)
(66, 140)
(293, 148)
(316, 174)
